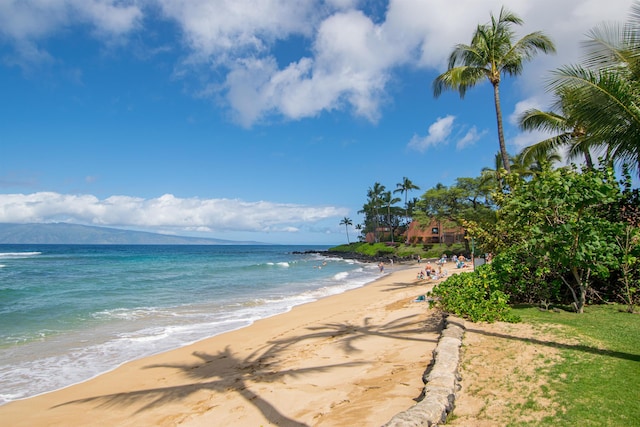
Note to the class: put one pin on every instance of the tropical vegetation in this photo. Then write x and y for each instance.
(570, 236)
(561, 236)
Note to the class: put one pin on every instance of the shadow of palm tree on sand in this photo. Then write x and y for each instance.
(224, 371)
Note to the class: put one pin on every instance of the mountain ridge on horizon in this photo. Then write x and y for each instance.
(75, 234)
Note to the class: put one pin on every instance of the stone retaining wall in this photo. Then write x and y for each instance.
(441, 381)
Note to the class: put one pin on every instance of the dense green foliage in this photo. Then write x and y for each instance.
(429, 250)
(476, 296)
(563, 237)
(596, 382)
(368, 249)
(401, 250)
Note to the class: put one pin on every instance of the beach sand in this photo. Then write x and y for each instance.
(351, 359)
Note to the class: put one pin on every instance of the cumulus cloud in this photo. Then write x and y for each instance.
(25, 24)
(166, 211)
(351, 50)
(444, 130)
(437, 134)
(353, 56)
(33, 20)
(469, 138)
(227, 29)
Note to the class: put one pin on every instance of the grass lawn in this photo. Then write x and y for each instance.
(597, 381)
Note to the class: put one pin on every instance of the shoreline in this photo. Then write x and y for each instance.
(94, 332)
(352, 356)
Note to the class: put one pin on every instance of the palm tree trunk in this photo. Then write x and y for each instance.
(503, 147)
(588, 160)
(389, 221)
(406, 207)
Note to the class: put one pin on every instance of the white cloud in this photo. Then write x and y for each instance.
(164, 212)
(524, 105)
(35, 19)
(226, 29)
(437, 134)
(469, 138)
(348, 58)
(25, 23)
(526, 139)
(353, 56)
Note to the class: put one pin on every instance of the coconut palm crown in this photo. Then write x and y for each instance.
(493, 52)
(605, 89)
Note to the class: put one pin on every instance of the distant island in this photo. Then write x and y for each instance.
(73, 234)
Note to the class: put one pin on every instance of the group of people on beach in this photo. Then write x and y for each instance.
(459, 260)
(430, 272)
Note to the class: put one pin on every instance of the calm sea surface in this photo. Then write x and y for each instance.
(71, 312)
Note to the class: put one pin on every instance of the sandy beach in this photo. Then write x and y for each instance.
(351, 359)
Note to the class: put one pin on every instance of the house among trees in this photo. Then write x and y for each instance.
(435, 232)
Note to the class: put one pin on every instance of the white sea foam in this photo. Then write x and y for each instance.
(128, 314)
(6, 255)
(341, 276)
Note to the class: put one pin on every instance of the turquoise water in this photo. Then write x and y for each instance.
(71, 312)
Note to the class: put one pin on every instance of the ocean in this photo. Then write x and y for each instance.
(71, 312)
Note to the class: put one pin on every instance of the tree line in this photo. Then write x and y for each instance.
(559, 234)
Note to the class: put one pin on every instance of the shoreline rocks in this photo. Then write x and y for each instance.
(357, 256)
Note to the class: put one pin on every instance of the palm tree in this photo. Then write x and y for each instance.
(375, 202)
(606, 99)
(411, 205)
(527, 166)
(568, 132)
(388, 201)
(496, 172)
(404, 187)
(346, 221)
(359, 228)
(492, 52)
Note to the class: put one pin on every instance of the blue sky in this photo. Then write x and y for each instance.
(251, 120)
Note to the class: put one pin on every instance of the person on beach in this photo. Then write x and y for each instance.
(381, 266)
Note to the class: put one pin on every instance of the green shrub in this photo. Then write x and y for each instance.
(369, 249)
(476, 296)
(352, 247)
(376, 249)
(525, 280)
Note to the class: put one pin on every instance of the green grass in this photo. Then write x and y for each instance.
(597, 383)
